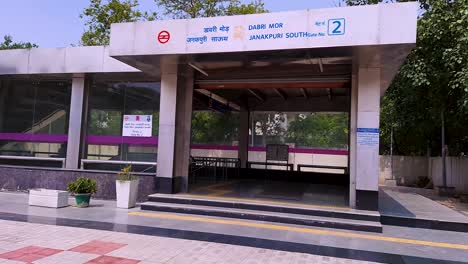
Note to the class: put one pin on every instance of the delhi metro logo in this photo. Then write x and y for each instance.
(164, 37)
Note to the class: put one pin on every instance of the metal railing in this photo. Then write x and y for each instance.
(119, 162)
(300, 166)
(62, 160)
(212, 168)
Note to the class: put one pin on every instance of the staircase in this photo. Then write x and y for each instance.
(276, 212)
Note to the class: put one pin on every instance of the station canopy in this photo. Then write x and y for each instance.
(276, 60)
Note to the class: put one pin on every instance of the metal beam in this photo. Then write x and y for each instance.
(256, 94)
(218, 98)
(304, 92)
(198, 69)
(320, 64)
(281, 94)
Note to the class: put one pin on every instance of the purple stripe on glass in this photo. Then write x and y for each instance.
(258, 149)
(116, 140)
(263, 149)
(39, 138)
(320, 151)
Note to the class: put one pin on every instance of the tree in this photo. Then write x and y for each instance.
(101, 15)
(214, 128)
(433, 81)
(269, 126)
(319, 130)
(255, 7)
(9, 44)
(209, 8)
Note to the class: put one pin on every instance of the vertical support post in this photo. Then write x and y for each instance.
(75, 121)
(443, 151)
(3, 96)
(183, 129)
(367, 138)
(244, 137)
(167, 116)
(174, 126)
(352, 139)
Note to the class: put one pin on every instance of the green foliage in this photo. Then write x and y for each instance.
(105, 122)
(271, 126)
(82, 185)
(255, 7)
(319, 130)
(125, 174)
(214, 128)
(9, 44)
(433, 80)
(99, 17)
(209, 8)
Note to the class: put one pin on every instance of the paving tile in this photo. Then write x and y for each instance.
(29, 254)
(97, 247)
(112, 260)
(67, 257)
(6, 261)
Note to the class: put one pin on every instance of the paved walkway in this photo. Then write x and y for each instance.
(394, 245)
(395, 202)
(46, 244)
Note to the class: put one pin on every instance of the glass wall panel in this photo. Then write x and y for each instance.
(302, 130)
(108, 103)
(313, 138)
(215, 134)
(34, 118)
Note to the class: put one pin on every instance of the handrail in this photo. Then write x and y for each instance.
(62, 160)
(83, 161)
(300, 166)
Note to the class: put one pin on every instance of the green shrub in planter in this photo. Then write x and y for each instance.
(125, 174)
(82, 188)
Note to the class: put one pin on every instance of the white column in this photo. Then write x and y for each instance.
(367, 138)
(352, 139)
(175, 120)
(74, 124)
(167, 118)
(244, 137)
(183, 128)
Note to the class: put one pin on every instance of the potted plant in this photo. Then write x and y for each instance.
(82, 188)
(126, 188)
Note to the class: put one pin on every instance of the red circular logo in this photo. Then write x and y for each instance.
(164, 37)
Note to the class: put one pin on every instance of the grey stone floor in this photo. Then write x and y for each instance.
(105, 211)
(413, 205)
(306, 193)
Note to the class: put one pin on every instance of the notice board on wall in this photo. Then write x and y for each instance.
(137, 126)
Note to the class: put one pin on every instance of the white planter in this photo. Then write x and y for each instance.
(127, 192)
(48, 198)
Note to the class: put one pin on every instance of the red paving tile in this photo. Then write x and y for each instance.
(112, 260)
(97, 247)
(29, 254)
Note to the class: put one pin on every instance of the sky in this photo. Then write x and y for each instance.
(56, 23)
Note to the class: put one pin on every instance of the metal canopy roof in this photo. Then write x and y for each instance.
(289, 80)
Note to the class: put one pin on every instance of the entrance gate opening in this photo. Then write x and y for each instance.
(274, 126)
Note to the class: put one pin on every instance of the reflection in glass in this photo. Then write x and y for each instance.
(34, 117)
(108, 103)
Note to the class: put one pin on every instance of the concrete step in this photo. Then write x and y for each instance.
(266, 206)
(305, 220)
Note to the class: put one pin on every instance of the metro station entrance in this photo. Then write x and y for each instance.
(322, 63)
(272, 126)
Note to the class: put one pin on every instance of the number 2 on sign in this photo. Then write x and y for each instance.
(336, 26)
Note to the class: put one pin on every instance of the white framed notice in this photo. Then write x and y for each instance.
(137, 126)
